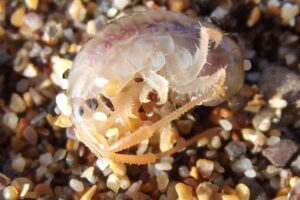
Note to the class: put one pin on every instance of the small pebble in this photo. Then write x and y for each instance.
(242, 191)
(25, 190)
(216, 142)
(36, 97)
(250, 173)
(275, 183)
(226, 124)
(133, 188)
(183, 171)
(162, 179)
(32, 4)
(273, 140)
(89, 194)
(194, 172)
(88, 173)
(257, 138)
(102, 163)
(17, 16)
(52, 33)
(247, 65)
(124, 182)
(17, 103)
(241, 165)
(77, 10)
(288, 13)
(30, 71)
(206, 167)
(46, 159)
(76, 185)
(207, 191)
(118, 168)
(113, 182)
(163, 166)
(59, 155)
(10, 193)
(254, 17)
(91, 28)
(30, 135)
(184, 191)
(262, 120)
(121, 4)
(10, 120)
(218, 167)
(272, 170)
(273, 3)
(290, 59)
(178, 5)
(40, 172)
(277, 102)
(63, 104)
(19, 163)
(234, 149)
(112, 12)
(60, 65)
(219, 13)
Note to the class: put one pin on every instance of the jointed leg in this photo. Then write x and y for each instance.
(151, 158)
(145, 132)
(215, 35)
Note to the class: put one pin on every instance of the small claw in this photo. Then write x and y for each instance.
(144, 94)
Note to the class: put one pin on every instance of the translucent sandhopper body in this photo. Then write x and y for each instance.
(141, 72)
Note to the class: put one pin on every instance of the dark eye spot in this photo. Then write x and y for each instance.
(78, 112)
(66, 74)
(108, 103)
(138, 79)
(92, 103)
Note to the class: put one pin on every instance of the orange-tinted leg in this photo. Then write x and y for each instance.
(151, 158)
(146, 132)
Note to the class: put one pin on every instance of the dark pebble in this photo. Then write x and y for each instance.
(234, 149)
(5, 57)
(280, 153)
(256, 190)
(9, 171)
(279, 81)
